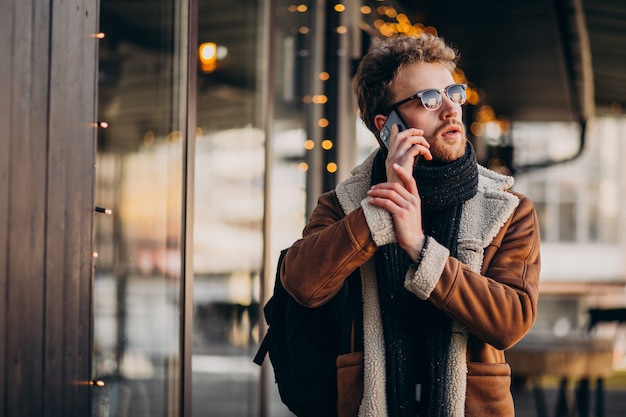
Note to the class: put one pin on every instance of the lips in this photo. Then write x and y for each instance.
(450, 130)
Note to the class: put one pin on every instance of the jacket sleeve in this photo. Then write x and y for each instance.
(331, 248)
(499, 305)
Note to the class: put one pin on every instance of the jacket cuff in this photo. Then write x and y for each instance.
(421, 279)
(380, 223)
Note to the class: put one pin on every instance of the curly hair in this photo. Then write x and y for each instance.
(384, 61)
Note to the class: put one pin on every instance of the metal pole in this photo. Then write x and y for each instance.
(267, 63)
(314, 111)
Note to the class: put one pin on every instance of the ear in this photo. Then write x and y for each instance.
(379, 121)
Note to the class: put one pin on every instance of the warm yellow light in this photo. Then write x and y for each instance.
(303, 166)
(331, 167)
(391, 12)
(342, 30)
(320, 99)
(459, 76)
(174, 137)
(366, 10)
(386, 29)
(505, 124)
(340, 8)
(207, 56)
(99, 35)
(327, 144)
(485, 114)
(302, 8)
(303, 30)
(432, 30)
(476, 129)
(148, 138)
(324, 76)
(473, 97)
(323, 122)
(309, 144)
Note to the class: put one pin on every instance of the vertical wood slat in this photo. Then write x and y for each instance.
(28, 113)
(6, 28)
(46, 205)
(71, 158)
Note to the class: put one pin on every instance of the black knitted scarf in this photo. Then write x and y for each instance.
(417, 335)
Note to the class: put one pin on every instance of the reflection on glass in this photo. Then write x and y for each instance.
(228, 213)
(229, 191)
(139, 177)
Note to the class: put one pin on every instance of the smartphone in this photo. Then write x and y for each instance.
(393, 119)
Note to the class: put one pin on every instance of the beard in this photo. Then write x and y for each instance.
(445, 150)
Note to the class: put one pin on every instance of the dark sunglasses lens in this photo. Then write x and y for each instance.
(431, 99)
(456, 93)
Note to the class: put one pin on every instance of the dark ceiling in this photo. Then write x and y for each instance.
(537, 60)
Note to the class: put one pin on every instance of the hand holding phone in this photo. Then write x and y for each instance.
(385, 133)
(393, 119)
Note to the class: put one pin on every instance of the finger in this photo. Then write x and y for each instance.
(392, 200)
(401, 141)
(384, 203)
(388, 189)
(406, 177)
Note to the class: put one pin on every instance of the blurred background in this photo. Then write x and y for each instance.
(221, 123)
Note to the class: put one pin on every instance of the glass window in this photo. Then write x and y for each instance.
(139, 178)
(228, 212)
(230, 199)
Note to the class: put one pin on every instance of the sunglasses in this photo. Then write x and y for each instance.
(431, 99)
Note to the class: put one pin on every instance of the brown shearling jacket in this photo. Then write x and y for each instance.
(490, 290)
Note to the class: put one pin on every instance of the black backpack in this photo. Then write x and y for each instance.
(303, 345)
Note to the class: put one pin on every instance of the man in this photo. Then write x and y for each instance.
(448, 254)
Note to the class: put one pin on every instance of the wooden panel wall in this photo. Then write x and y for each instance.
(48, 83)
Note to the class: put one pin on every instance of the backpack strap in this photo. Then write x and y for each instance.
(356, 300)
(264, 348)
(352, 326)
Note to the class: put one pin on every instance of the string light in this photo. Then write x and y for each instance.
(207, 56)
(320, 99)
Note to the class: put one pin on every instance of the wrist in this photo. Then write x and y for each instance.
(415, 264)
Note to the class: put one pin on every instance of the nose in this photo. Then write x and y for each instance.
(449, 109)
